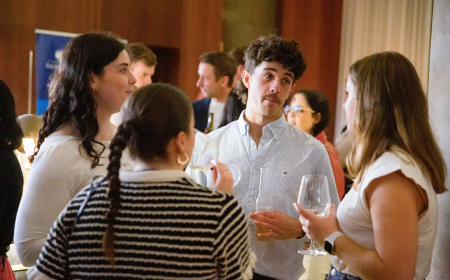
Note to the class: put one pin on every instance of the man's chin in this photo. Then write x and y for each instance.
(272, 112)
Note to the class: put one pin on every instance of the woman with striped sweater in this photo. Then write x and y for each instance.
(155, 222)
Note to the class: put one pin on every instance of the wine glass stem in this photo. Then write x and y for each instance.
(312, 248)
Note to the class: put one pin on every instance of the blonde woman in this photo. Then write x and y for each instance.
(386, 225)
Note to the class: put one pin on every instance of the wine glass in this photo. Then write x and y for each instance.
(208, 154)
(314, 196)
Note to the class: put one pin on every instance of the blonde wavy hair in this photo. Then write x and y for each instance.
(391, 114)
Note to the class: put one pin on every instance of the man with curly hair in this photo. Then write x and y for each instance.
(262, 139)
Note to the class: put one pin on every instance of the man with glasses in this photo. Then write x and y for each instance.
(262, 138)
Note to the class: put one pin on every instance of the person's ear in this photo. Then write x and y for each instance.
(180, 142)
(224, 81)
(317, 118)
(240, 69)
(246, 79)
(94, 82)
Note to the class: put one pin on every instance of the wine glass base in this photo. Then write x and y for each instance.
(312, 252)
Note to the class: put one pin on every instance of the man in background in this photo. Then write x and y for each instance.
(216, 76)
(237, 54)
(233, 105)
(143, 62)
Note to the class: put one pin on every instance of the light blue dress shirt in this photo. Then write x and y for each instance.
(287, 153)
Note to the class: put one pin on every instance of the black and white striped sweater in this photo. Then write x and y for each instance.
(168, 227)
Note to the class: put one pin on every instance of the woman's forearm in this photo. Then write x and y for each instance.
(366, 263)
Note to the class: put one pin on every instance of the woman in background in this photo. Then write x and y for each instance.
(385, 227)
(154, 222)
(309, 110)
(11, 178)
(91, 84)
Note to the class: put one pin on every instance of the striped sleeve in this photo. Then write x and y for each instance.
(232, 247)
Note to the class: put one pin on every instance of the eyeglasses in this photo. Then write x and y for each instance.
(296, 109)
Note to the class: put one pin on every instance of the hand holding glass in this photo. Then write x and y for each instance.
(314, 196)
(208, 155)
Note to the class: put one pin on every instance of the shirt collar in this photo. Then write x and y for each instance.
(153, 175)
(242, 124)
(275, 127)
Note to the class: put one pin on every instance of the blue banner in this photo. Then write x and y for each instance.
(49, 49)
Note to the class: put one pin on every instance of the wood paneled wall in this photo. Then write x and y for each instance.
(191, 26)
(316, 26)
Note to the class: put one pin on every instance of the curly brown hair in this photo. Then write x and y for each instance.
(70, 93)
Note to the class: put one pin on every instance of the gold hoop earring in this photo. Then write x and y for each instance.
(184, 162)
(95, 89)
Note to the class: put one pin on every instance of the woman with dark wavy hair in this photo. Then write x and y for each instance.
(154, 222)
(90, 85)
(11, 179)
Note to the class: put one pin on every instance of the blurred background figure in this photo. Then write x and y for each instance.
(143, 63)
(233, 105)
(216, 77)
(11, 178)
(237, 54)
(91, 84)
(155, 222)
(309, 111)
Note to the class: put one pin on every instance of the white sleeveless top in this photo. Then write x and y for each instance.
(355, 220)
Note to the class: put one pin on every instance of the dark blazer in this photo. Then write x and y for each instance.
(201, 109)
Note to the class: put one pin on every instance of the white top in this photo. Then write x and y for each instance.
(355, 220)
(287, 153)
(116, 119)
(217, 109)
(57, 174)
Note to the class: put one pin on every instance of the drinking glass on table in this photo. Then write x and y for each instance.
(314, 196)
(208, 155)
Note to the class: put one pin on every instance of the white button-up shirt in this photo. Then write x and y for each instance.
(287, 153)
